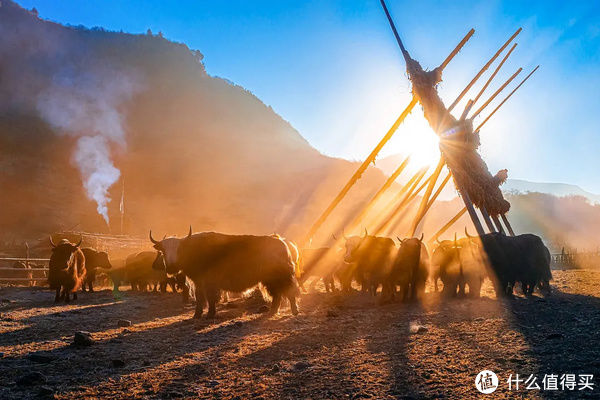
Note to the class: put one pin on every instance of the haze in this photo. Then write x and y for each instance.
(334, 71)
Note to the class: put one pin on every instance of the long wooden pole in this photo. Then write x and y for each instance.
(472, 212)
(413, 181)
(483, 69)
(379, 193)
(356, 176)
(498, 224)
(317, 224)
(487, 219)
(433, 198)
(396, 219)
(510, 229)
(505, 99)
(493, 96)
(448, 224)
(425, 199)
(487, 83)
(405, 200)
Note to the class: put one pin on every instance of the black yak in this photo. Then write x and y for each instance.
(140, 274)
(410, 268)
(523, 258)
(372, 258)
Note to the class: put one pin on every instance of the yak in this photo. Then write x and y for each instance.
(444, 254)
(325, 263)
(410, 269)
(66, 271)
(460, 263)
(523, 258)
(176, 282)
(140, 274)
(536, 261)
(372, 258)
(93, 260)
(235, 263)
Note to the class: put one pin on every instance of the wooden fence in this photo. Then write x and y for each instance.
(575, 259)
(26, 274)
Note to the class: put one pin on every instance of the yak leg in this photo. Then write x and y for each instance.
(275, 303)
(292, 298)
(326, 283)
(405, 292)
(212, 296)
(199, 301)
(67, 296)
(74, 295)
(418, 289)
(530, 289)
(475, 288)
(58, 296)
(185, 294)
(91, 286)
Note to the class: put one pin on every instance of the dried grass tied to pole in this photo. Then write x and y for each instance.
(458, 142)
(424, 89)
(471, 174)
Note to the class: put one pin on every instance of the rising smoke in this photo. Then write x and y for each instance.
(88, 105)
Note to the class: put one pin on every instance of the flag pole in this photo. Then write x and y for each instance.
(121, 204)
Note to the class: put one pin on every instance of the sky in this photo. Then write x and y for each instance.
(332, 69)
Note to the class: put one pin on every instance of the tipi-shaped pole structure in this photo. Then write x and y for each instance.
(458, 140)
(371, 158)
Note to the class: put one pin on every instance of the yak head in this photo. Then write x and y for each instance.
(353, 244)
(62, 253)
(168, 249)
(103, 261)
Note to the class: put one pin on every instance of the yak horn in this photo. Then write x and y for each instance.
(152, 239)
(51, 242)
(366, 233)
(334, 238)
(80, 241)
(400, 240)
(422, 236)
(467, 233)
(190, 233)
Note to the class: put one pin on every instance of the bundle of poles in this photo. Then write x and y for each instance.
(416, 184)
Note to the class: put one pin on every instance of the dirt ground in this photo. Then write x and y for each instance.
(337, 347)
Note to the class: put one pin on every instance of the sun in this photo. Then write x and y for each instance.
(417, 139)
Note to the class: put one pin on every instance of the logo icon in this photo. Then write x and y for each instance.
(486, 382)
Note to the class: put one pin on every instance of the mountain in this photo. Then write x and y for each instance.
(556, 189)
(86, 113)
(511, 186)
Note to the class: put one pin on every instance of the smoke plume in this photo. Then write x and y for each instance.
(87, 104)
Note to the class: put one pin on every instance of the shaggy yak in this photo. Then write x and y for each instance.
(66, 270)
(216, 262)
(93, 259)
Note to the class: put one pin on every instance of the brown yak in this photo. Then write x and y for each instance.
(216, 262)
(66, 270)
(93, 260)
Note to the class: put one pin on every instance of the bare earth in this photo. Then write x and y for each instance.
(338, 347)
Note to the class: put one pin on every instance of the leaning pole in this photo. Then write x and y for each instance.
(371, 158)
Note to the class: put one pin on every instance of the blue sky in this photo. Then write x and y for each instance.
(332, 68)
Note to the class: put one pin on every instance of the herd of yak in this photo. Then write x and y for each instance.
(218, 263)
